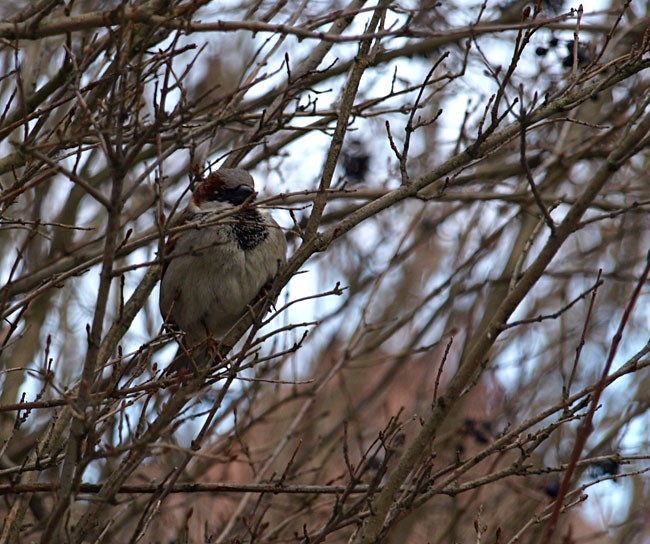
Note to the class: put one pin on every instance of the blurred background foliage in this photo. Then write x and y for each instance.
(464, 188)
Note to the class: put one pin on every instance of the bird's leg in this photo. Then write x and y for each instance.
(214, 347)
(264, 293)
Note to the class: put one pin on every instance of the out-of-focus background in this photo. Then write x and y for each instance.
(459, 349)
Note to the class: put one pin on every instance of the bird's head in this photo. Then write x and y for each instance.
(222, 189)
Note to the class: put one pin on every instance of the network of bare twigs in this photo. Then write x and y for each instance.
(457, 350)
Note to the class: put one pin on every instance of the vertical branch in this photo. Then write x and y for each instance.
(73, 465)
(81, 429)
(586, 427)
(361, 63)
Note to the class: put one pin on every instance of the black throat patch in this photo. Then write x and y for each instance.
(248, 229)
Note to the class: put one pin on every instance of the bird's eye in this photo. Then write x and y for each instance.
(238, 194)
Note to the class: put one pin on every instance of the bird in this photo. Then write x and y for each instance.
(212, 273)
(356, 161)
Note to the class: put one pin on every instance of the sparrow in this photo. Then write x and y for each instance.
(212, 273)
